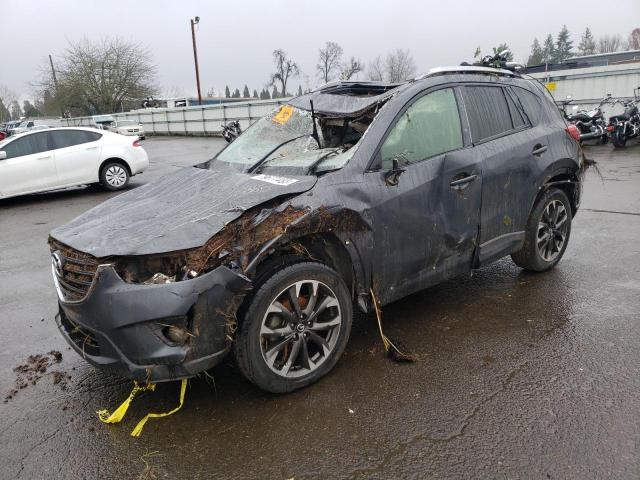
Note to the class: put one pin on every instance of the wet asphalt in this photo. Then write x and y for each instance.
(519, 375)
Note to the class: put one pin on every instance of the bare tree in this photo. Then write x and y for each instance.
(634, 39)
(399, 65)
(351, 68)
(375, 69)
(609, 43)
(99, 77)
(329, 60)
(285, 69)
(7, 98)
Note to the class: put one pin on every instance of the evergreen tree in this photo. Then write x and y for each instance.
(299, 90)
(564, 44)
(227, 92)
(587, 44)
(275, 93)
(549, 50)
(245, 92)
(267, 95)
(236, 94)
(255, 93)
(536, 57)
(30, 110)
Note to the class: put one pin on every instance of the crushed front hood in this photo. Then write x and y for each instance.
(179, 211)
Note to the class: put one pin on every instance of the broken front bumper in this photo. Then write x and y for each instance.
(121, 326)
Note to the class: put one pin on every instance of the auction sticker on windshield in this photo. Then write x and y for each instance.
(283, 115)
(284, 181)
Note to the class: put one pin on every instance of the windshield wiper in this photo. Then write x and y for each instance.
(312, 168)
(259, 163)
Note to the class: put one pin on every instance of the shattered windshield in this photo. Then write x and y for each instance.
(284, 140)
(282, 125)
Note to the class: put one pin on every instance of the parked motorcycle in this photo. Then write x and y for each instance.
(590, 123)
(627, 125)
(231, 131)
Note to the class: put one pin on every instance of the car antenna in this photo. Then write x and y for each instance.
(315, 128)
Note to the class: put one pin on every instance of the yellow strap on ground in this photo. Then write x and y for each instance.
(119, 412)
(138, 430)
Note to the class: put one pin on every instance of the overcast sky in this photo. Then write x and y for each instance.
(236, 38)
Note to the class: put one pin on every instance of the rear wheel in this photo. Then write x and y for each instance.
(294, 328)
(618, 139)
(547, 233)
(114, 176)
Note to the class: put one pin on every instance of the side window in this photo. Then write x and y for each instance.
(488, 112)
(429, 127)
(29, 145)
(531, 104)
(92, 136)
(516, 116)
(69, 138)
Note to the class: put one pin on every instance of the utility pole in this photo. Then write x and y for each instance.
(55, 83)
(195, 21)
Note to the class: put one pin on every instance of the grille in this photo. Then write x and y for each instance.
(77, 272)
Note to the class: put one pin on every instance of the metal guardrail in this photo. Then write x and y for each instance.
(196, 120)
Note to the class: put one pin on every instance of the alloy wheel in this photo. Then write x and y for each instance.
(300, 329)
(116, 176)
(552, 230)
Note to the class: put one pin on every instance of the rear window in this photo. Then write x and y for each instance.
(530, 103)
(488, 112)
(68, 138)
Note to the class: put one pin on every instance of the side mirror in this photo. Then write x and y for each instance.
(3, 154)
(393, 175)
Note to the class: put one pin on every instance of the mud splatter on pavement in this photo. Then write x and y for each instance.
(36, 367)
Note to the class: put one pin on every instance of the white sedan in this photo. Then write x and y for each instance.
(127, 127)
(63, 157)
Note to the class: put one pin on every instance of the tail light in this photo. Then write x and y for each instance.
(136, 143)
(610, 128)
(573, 132)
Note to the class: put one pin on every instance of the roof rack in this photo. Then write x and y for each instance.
(468, 69)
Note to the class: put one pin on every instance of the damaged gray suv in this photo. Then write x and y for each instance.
(354, 191)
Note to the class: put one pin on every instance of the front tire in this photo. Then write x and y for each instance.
(294, 328)
(114, 176)
(547, 233)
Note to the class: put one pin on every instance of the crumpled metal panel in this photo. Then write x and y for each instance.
(179, 211)
(341, 105)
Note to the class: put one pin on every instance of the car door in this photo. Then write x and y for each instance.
(426, 223)
(77, 155)
(503, 138)
(29, 166)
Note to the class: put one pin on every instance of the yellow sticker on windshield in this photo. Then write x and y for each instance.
(283, 115)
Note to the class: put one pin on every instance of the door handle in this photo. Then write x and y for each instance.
(539, 150)
(44, 158)
(463, 182)
(91, 148)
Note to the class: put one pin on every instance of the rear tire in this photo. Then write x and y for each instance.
(618, 139)
(114, 176)
(547, 233)
(282, 345)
